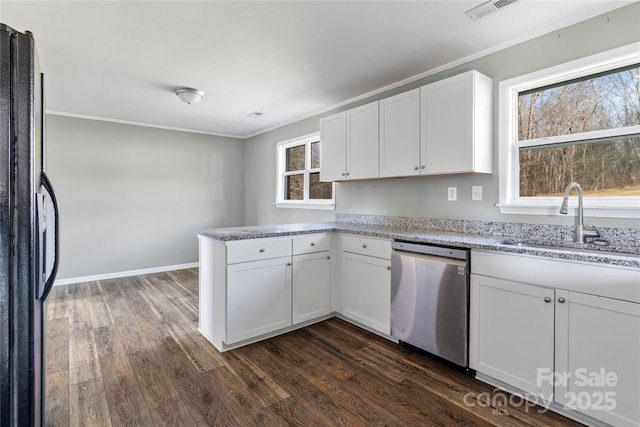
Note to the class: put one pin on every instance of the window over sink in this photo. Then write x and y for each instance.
(578, 121)
(298, 175)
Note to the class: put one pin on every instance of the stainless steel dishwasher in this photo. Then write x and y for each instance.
(430, 299)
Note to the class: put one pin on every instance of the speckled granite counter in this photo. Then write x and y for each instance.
(494, 238)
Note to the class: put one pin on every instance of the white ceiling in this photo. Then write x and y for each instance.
(122, 60)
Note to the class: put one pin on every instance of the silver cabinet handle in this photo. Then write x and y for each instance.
(329, 257)
(388, 267)
(560, 300)
(364, 246)
(348, 174)
(415, 168)
(261, 250)
(344, 174)
(547, 299)
(313, 244)
(288, 264)
(422, 166)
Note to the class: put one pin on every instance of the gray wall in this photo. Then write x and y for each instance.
(131, 197)
(427, 196)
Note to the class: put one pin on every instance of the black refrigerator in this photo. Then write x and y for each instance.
(28, 232)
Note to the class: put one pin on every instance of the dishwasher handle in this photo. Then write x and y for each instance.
(440, 251)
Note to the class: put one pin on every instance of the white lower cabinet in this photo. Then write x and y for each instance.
(258, 298)
(579, 351)
(598, 357)
(366, 291)
(311, 286)
(255, 288)
(513, 325)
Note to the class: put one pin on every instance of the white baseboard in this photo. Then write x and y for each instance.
(123, 274)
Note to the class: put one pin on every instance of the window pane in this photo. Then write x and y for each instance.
(294, 187)
(605, 101)
(318, 189)
(602, 168)
(315, 155)
(295, 158)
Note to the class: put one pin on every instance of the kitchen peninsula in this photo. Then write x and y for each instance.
(261, 281)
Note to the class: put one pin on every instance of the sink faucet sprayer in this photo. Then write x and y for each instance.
(581, 232)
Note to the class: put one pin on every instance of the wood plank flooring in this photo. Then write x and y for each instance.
(126, 352)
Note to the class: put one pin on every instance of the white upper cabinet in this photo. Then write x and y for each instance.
(441, 128)
(333, 147)
(362, 142)
(400, 135)
(456, 125)
(349, 144)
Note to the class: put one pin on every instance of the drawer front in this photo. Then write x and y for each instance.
(257, 249)
(367, 246)
(310, 243)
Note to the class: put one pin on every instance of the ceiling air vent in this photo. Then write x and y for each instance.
(487, 8)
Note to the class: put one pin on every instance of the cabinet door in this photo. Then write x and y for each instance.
(447, 124)
(362, 142)
(456, 124)
(311, 286)
(333, 147)
(598, 352)
(400, 135)
(366, 291)
(258, 298)
(511, 332)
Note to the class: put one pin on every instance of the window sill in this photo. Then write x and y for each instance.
(628, 211)
(306, 205)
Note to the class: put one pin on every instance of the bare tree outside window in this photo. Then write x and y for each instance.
(299, 173)
(296, 158)
(295, 161)
(603, 166)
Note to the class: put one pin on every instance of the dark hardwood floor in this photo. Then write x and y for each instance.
(126, 352)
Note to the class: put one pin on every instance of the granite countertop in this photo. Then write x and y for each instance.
(626, 256)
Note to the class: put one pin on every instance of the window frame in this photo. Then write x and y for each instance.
(510, 201)
(281, 173)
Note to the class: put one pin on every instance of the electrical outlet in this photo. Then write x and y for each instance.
(476, 192)
(452, 194)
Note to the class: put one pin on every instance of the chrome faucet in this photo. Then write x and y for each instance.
(581, 233)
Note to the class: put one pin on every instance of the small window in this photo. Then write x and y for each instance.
(575, 122)
(299, 184)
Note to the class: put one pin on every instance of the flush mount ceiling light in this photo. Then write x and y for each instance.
(189, 95)
(487, 8)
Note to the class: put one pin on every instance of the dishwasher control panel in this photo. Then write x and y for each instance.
(431, 250)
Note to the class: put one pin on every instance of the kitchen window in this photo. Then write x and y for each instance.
(298, 184)
(578, 121)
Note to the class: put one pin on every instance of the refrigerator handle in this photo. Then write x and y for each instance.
(56, 260)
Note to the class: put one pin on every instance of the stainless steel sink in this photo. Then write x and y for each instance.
(602, 248)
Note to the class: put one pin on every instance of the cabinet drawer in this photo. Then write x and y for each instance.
(367, 246)
(309, 243)
(258, 249)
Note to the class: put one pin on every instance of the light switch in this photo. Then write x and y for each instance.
(476, 192)
(452, 194)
